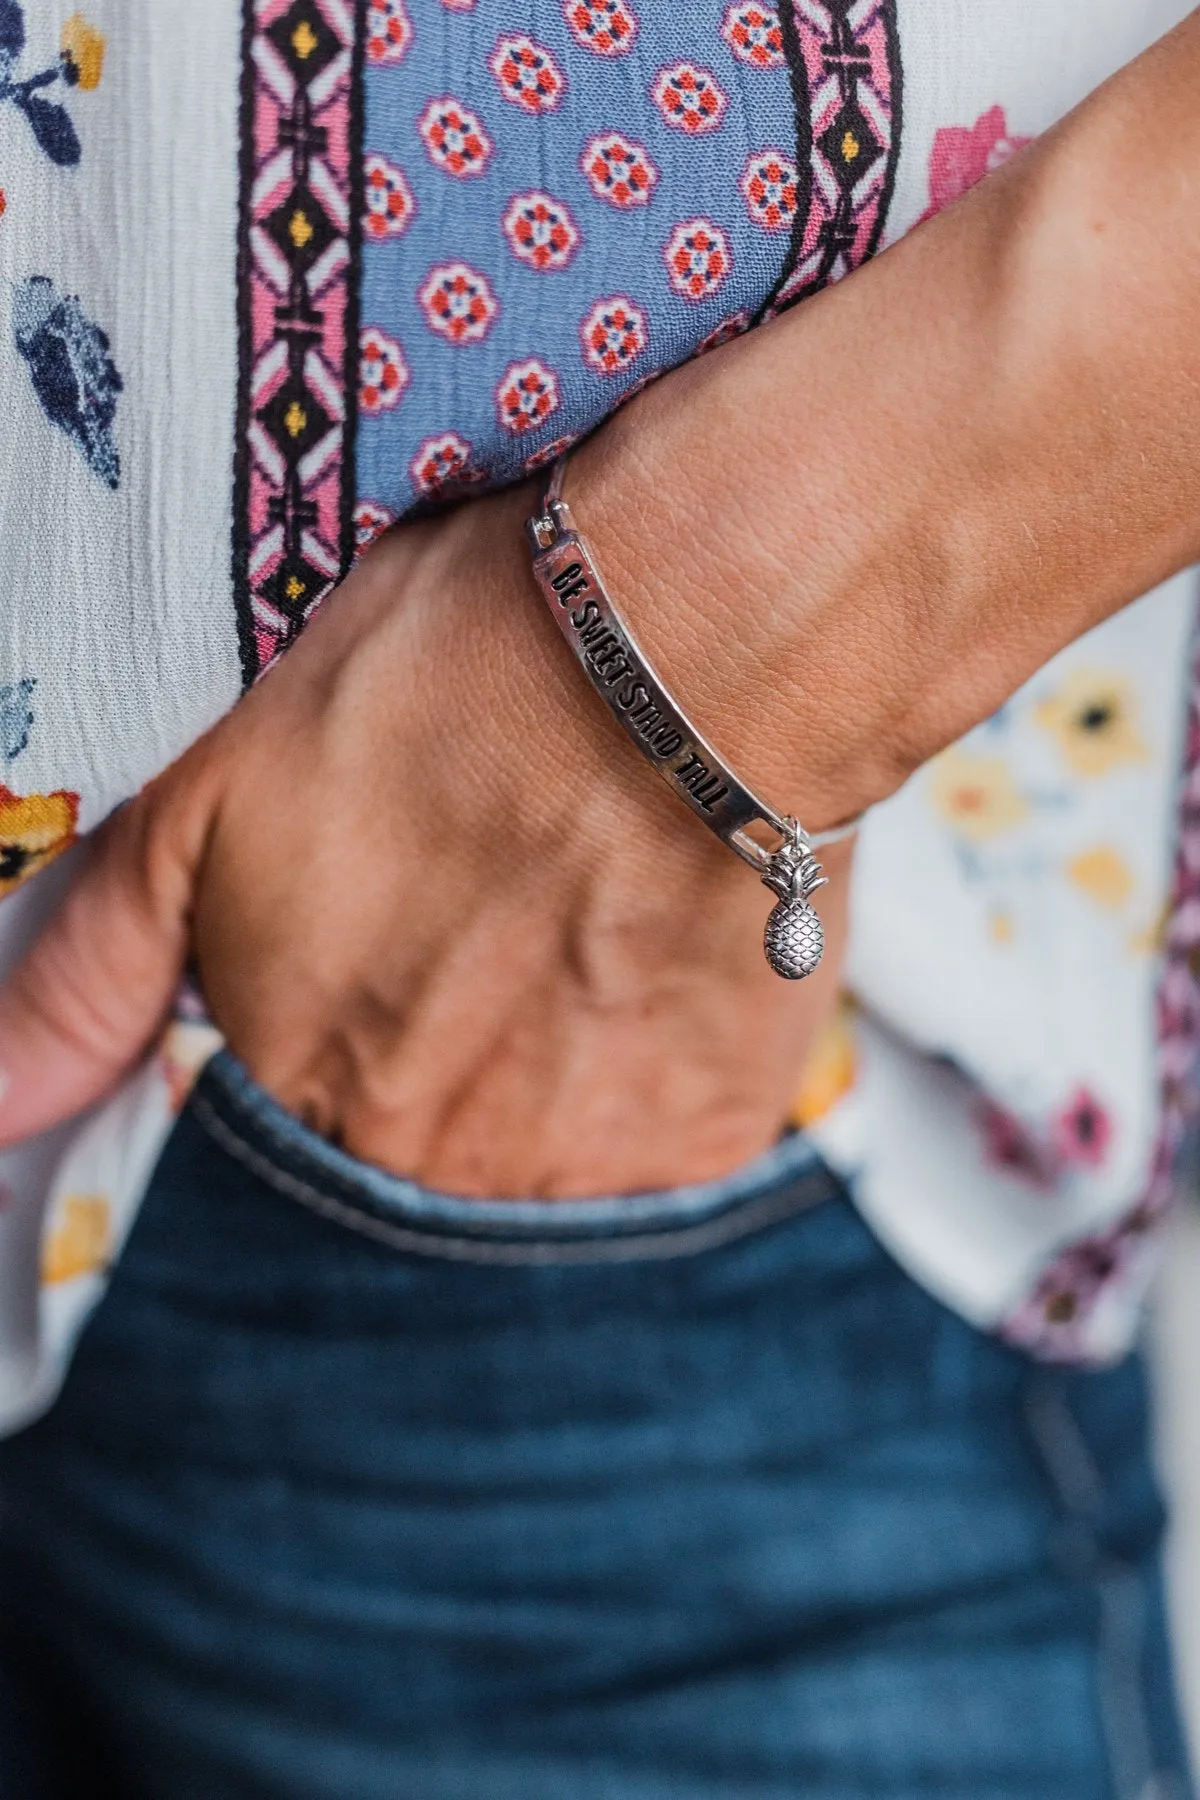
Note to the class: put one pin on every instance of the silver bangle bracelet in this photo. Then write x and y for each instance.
(574, 590)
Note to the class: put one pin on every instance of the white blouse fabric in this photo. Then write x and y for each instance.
(993, 1086)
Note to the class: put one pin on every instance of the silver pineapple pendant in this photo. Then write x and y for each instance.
(794, 939)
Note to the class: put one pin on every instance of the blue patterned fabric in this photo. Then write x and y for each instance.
(541, 147)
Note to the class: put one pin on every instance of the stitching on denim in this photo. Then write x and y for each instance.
(293, 1152)
(794, 1195)
(1078, 1483)
(1064, 1449)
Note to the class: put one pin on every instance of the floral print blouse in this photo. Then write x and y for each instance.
(373, 254)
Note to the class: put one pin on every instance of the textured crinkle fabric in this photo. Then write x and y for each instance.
(277, 272)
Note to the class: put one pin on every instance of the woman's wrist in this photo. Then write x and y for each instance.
(847, 537)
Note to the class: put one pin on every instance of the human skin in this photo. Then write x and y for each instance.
(473, 938)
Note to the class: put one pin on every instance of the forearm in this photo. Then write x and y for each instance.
(512, 962)
(852, 534)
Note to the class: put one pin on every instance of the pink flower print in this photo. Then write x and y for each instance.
(607, 27)
(613, 334)
(382, 371)
(526, 395)
(458, 303)
(689, 99)
(768, 187)
(618, 170)
(454, 138)
(388, 31)
(723, 333)
(1010, 1147)
(1083, 1131)
(697, 258)
(753, 34)
(441, 464)
(371, 520)
(964, 154)
(540, 231)
(527, 74)
(389, 201)
(459, 5)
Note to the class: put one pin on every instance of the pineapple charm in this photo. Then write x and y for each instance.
(794, 938)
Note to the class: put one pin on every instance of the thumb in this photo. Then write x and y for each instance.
(87, 998)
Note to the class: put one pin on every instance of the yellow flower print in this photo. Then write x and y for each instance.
(829, 1071)
(1001, 928)
(82, 49)
(1151, 940)
(80, 1240)
(33, 831)
(1094, 717)
(1103, 875)
(976, 795)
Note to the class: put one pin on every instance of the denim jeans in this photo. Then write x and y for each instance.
(358, 1493)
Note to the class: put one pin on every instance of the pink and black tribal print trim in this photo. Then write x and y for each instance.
(1179, 984)
(1055, 1322)
(299, 228)
(847, 86)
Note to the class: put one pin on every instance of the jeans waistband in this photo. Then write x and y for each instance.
(254, 1129)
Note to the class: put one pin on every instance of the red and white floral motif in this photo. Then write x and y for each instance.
(729, 328)
(635, 388)
(606, 26)
(454, 137)
(964, 154)
(697, 258)
(613, 334)
(442, 462)
(389, 31)
(389, 201)
(371, 520)
(526, 395)
(458, 303)
(540, 231)
(689, 99)
(548, 453)
(753, 34)
(618, 170)
(382, 370)
(768, 187)
(527, 74)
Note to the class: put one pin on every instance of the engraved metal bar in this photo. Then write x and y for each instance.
(627, 681)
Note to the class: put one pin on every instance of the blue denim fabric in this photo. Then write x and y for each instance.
(358, 1492)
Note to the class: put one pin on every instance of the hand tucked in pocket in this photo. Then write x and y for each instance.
(440, 907)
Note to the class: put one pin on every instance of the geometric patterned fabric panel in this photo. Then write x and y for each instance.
(468, 233)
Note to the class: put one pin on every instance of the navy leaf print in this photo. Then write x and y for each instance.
(73, 374)
(12, 35)
(50, 121)
(52, 127)
(16, 716)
